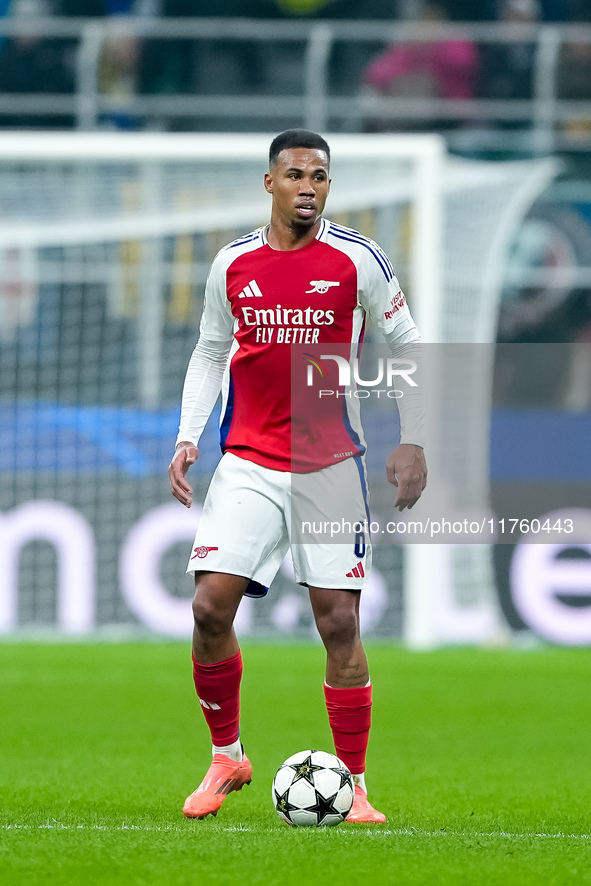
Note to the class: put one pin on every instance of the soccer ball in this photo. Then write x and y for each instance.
(313, 789)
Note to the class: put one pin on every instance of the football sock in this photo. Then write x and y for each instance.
(218, 689)
(349, 715)
(359, 780)
(233, 751)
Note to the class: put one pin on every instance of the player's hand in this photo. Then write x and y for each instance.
(184, 456)
(407, 470)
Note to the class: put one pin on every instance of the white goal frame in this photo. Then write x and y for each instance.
(433, 177)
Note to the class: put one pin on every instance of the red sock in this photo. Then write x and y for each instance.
(349, 715)
(218, 688)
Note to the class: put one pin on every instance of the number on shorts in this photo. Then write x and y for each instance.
(359, 544)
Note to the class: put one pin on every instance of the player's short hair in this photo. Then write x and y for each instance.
(296, 138)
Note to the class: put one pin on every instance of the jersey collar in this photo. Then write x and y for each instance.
(319, 234)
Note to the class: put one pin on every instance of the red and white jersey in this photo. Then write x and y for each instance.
(269, 300)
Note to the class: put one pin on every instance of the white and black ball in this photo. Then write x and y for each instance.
(313, 789)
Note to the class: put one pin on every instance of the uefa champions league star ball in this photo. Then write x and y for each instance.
(313, 789)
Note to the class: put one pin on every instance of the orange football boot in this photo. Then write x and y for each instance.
(223, 776)
(363, 811)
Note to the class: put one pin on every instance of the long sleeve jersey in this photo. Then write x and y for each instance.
(266, 312)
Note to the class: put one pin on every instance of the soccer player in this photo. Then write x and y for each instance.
(300, 279)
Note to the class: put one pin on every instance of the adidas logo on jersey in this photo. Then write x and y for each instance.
(357, 571)
(251, 290)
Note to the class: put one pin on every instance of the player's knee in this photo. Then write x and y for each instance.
(338, 628)
(209, 620)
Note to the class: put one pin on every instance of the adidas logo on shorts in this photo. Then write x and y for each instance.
(357, 571)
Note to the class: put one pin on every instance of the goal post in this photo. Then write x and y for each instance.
(105, 244)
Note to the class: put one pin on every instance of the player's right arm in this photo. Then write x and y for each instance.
(185, 454)
(203, 380)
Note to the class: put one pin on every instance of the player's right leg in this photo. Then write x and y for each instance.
(217, 672)
(241, 541)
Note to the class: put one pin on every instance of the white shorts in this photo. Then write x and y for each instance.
(246, 525)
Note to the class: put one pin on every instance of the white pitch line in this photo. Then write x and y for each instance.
(58, 826)
(414, 832)
(344, 832)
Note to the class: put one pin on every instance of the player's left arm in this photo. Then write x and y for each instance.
(384, 300)
(406, 467)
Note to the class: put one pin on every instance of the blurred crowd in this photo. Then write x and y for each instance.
(463, 69)
(457, 68)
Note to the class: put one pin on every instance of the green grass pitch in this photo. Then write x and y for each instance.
(481, 760)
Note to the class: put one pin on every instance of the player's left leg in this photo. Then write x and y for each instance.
(347, 688)
(335, 569)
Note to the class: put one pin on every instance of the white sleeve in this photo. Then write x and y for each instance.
(411, 405)
(217, 321)
(203, 383)
(382, 298)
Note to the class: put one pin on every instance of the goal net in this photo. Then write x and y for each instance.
(105, 245)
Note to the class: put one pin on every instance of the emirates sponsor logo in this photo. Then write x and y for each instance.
(279, 316)
(291, 326)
